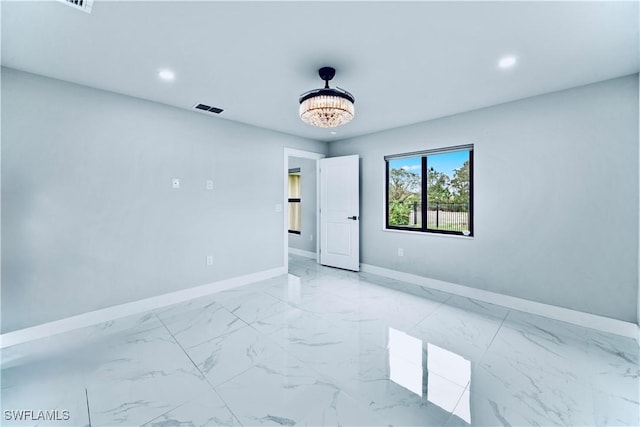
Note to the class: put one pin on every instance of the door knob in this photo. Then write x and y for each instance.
(353, 217)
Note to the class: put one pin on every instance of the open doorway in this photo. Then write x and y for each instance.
(301, 192)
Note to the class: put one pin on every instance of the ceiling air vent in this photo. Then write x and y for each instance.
(204, 107)
(83, 5)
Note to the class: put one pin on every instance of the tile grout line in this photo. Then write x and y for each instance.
(325, 378)
(494, 336)
(198, 369)
(86, 395)
(163, 414)
(451, 414)
(439, 304)
(428, 314)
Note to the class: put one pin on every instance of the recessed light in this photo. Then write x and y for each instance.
(507, 62)
(333, 132)
(166, 75)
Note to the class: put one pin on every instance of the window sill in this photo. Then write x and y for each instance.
(413, 233)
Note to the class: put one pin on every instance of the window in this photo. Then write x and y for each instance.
(294, 201)
(431, 191)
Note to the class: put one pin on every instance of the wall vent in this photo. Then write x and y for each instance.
(204, 107)
(83, 5)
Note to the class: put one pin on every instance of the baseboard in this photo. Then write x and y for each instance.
(303, 253)
(600, 323)
(136, 307)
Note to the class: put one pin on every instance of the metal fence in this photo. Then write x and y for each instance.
(440, 215)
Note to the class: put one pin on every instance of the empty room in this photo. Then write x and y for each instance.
(319, 213)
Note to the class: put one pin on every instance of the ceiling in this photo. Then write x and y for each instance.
(405, 62)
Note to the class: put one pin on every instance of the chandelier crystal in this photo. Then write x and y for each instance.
(327, 107)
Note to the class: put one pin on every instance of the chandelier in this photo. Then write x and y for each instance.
(326, 107)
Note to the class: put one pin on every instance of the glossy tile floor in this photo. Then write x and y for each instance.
(327, 347)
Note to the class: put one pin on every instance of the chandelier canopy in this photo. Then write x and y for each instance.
(327, 107)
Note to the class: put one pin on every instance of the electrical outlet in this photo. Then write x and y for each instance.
(209, 260)
(278, 207)
(400, 252)
(209, 184)
(175, 183)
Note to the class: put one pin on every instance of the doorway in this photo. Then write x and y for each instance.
(301, 204)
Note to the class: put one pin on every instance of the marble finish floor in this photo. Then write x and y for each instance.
(323, 346)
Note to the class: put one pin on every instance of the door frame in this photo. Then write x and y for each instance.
(293, 152)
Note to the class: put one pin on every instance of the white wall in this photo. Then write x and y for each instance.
(556, 199)
(89, 218)
(306, 240)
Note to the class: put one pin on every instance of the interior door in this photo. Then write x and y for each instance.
(340, 212)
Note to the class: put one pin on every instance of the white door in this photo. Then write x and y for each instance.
(340, 212)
